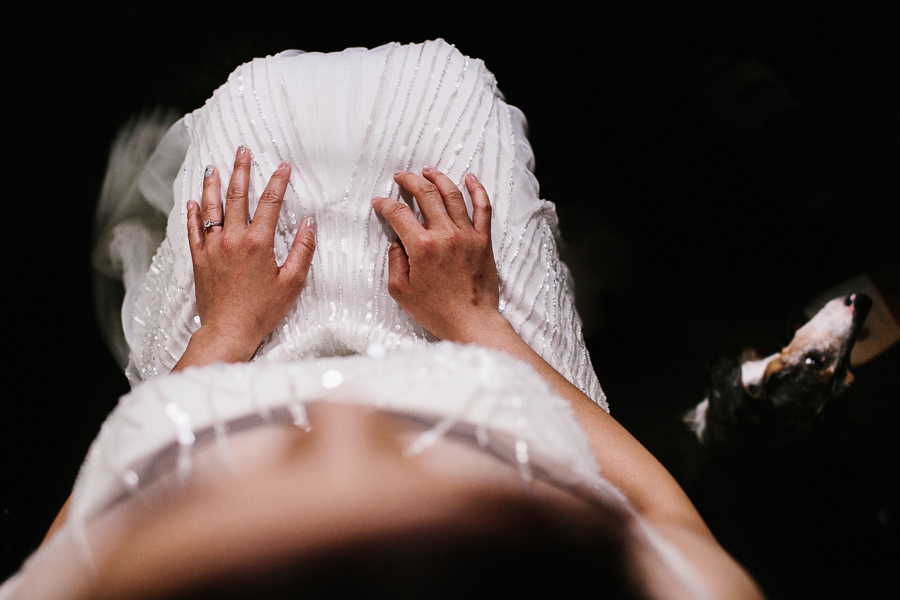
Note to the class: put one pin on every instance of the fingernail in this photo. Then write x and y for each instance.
(283, 166)
(427, 169)
(208, 171)
(189, 203)
(472, 176)
(311, 224)
(242, 149)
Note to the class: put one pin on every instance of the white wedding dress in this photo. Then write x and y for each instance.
(346, 122)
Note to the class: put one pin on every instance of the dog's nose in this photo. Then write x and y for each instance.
(862, 302)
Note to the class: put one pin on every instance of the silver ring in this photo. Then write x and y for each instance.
(210, 223)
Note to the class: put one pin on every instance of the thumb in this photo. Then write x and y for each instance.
(296, 265)
(398, 267)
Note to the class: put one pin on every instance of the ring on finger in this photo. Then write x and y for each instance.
(208, 223)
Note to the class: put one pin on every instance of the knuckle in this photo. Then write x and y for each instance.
(397, 210)
(395, 288)
(454, 194)
(306, 244)
(235, 191)
(425, 243)
(451, 240)
(270, 196)
(228, 243)
(254, 238)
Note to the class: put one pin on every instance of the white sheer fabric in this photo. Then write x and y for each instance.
(347, 122)
(497, 401)
(156, 433)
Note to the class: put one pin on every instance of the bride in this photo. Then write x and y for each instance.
(354, 343)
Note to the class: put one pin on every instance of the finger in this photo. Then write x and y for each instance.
(266, 215)
(398, 269)
(427, 196)
(236, 199)
(211, 200)
(454, 203)
(298, 260)
(481, 205)
(399, 216)
(194, 228)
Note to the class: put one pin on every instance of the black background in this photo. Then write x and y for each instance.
(686, 237)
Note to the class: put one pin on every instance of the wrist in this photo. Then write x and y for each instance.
(484, 330)
(208, 345)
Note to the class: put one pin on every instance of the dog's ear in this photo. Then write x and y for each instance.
(724, 388)
(843, 381)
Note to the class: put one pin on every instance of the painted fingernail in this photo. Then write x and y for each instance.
(427, 169)
(242, 149)
(208, 171)
(283, 166)
(472, 177)
(311, 224)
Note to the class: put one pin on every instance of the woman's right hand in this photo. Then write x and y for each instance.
(443, 273)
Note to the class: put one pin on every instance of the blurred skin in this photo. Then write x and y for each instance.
(443, 274)
(306, 493)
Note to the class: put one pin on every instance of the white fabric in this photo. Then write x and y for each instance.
(498, 401)
(484, 396)
(130, 219)
(347, 122)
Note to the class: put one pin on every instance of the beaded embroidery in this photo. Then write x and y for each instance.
(423, 104)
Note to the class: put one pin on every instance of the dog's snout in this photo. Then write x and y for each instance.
(849, 299)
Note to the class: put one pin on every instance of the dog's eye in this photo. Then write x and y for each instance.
(813, 358)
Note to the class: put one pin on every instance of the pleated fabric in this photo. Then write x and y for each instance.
(347, 122)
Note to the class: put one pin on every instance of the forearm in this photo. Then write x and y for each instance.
(652, 491)
(622, 459)
(58, 522)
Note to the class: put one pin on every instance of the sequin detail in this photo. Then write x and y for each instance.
(389, 109)
(500, 403)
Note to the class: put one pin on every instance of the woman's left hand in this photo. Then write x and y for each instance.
(242, 294)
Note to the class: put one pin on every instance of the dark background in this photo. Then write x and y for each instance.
(690, 231)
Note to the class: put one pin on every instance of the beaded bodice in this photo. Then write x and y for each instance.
(347, 122)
